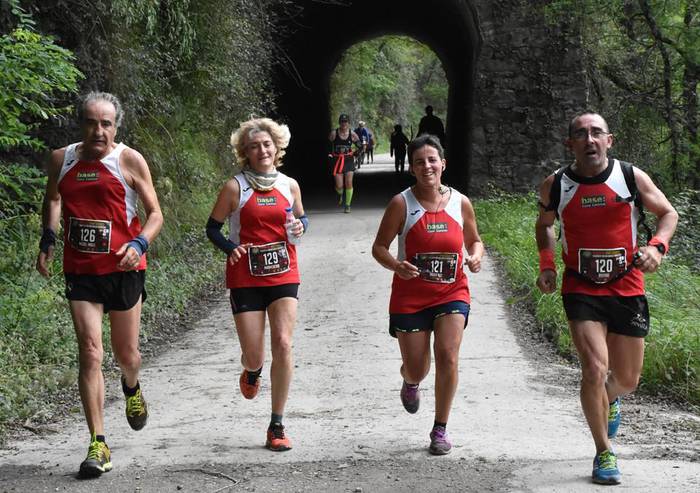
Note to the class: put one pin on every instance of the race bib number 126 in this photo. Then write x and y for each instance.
(89, 235)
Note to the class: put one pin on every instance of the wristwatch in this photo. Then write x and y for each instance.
(661, 248)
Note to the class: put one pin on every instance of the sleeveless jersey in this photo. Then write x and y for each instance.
(99, 212)
(434, 241)
(259, 219)
(599, 233)
(342, 146)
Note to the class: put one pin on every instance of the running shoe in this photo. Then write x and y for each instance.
(613, 418)
(136, 410)
(249, 390)
(410, 397)
(277, 441)
(97, 460)
(347, 209)
(439, 441)
(605, 469)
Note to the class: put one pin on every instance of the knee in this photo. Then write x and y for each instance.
(90, 355)
(626, 382)
(446, 359)
(128, 357)
(281, 347)
(594, 372)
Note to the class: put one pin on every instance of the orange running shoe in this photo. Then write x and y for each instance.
(248, 390)
(277, 441)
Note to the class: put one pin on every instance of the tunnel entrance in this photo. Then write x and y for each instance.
(385, 81)
(325, 30)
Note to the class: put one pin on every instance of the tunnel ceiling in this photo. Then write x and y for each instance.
(326, 29)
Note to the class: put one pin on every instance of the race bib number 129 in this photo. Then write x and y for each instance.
(268, 259)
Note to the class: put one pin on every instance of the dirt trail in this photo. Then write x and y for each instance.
(516, 423)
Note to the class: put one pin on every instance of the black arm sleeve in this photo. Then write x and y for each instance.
(217, 238)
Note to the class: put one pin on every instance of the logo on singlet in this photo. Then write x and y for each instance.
(266, 200)
(437, 228)
(415, 212)
(246, 189)
(87, 176)
(593, 201)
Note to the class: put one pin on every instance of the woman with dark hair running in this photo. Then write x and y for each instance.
(434, 223)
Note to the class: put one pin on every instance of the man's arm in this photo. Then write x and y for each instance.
(138, 176)
(546, 241)
(656, 202)
(50, 213)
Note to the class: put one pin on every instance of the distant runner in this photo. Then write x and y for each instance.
(342, 139)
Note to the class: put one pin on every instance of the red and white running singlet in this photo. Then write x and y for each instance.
(434, 242)
(99, 212)
(599, 234)
(259, 219)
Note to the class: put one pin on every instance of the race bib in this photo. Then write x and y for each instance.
(601, 265)
(268, 259)
(437, 267)
(89, 235)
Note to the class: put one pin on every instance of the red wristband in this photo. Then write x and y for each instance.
(655, 240)
(547, 260)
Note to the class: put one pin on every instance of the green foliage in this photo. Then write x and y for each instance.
(388, 80)
(672, 358)
(34, 71)
(643, 64)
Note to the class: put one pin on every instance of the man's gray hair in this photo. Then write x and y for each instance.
(94, 96)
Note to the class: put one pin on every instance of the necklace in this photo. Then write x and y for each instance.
(442, 190)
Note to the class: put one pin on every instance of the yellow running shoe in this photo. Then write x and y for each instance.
(136, 410)
(98, 460)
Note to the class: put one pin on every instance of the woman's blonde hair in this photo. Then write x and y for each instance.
(279, 132)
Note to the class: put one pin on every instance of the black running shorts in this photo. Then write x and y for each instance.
(115, 291)
(626, 315)
(424, 319)
(258, 299)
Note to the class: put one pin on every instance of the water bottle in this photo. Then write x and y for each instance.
(288, 224)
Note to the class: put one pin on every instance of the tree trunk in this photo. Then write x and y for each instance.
(668, 90)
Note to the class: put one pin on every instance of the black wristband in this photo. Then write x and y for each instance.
(217, 238)
(48, 239)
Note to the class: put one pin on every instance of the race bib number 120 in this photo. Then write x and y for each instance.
(602, 265)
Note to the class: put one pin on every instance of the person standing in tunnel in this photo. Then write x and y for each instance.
(266, 219)
(341, 141)
(598, 201)
(429, 292)
(371, 142)
(95, 185)
(397, 148)
(431, 124)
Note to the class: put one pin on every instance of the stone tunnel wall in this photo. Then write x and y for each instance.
(529, 81)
